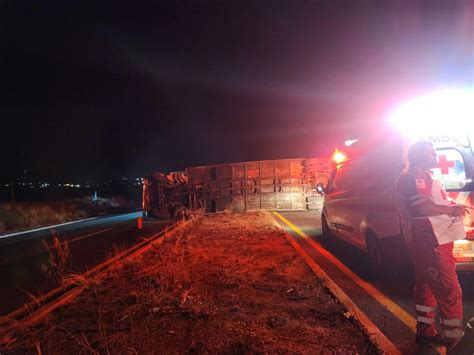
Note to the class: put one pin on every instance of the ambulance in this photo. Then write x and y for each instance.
(360, 201)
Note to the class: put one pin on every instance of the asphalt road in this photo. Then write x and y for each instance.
(397, 286)
(90, 243)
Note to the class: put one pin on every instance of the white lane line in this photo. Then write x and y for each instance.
(47, 227)
(59, 225)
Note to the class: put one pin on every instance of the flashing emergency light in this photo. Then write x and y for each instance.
(338, 156)
(443, 110)
(350, 142)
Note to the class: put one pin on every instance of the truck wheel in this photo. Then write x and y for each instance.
(375, 255)
(326, 233)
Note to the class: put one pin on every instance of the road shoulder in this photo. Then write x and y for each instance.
(229, 282)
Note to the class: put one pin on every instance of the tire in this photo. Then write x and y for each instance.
(376, 261)
(326, 233)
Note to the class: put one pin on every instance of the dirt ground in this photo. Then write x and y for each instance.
(227, 284)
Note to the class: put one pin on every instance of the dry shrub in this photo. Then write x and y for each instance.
(59, 258)
(12, 216)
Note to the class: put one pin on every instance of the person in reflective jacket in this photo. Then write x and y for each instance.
(431, 223)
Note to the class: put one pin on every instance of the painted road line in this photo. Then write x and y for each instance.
(47, 227)
(68, 223)
(384, 300)
(83, 237)
(374, 333)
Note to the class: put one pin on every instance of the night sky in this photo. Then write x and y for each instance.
(91, 90)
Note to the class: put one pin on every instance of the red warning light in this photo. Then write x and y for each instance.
(338, 156)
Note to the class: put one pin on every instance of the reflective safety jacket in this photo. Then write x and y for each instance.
(415, 186)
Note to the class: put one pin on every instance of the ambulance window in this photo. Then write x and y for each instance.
(338, 181)
(450, 169)
(344, 177)
(331, 180)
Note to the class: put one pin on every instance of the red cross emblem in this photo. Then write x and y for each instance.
(444, 164)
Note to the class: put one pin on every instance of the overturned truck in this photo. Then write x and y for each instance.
(278, 185)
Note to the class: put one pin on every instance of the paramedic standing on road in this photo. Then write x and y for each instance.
(431, 223)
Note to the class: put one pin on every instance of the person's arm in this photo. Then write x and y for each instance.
(429, 208)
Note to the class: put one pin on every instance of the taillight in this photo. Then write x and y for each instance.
(338, 156)
(470, 233)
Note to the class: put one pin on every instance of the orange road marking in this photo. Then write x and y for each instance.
(385, 301)
(83, 237)
(375, 334)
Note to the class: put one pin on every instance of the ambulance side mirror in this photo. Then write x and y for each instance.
(320, 188)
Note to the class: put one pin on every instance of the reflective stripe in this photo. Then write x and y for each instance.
(425, 320)
(455, 333)
(451, 322)
(426, 309)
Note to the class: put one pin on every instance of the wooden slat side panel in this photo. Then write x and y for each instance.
(238, 203)
(269, 201)
(296, 168)
(253, 170)
(283, 201)
(224, 172)
(253, 202)
(239, 171)
(282, 168)
(267, 169)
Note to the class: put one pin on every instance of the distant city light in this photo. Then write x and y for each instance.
(87, 184)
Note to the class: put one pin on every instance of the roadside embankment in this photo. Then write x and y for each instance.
(227, 283)
(20, 216)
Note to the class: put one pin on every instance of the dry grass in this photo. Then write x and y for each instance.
(229, 284)
(28, 215)
(59, 259)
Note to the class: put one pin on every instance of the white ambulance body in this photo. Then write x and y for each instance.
(360, 205)
(455, 170)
